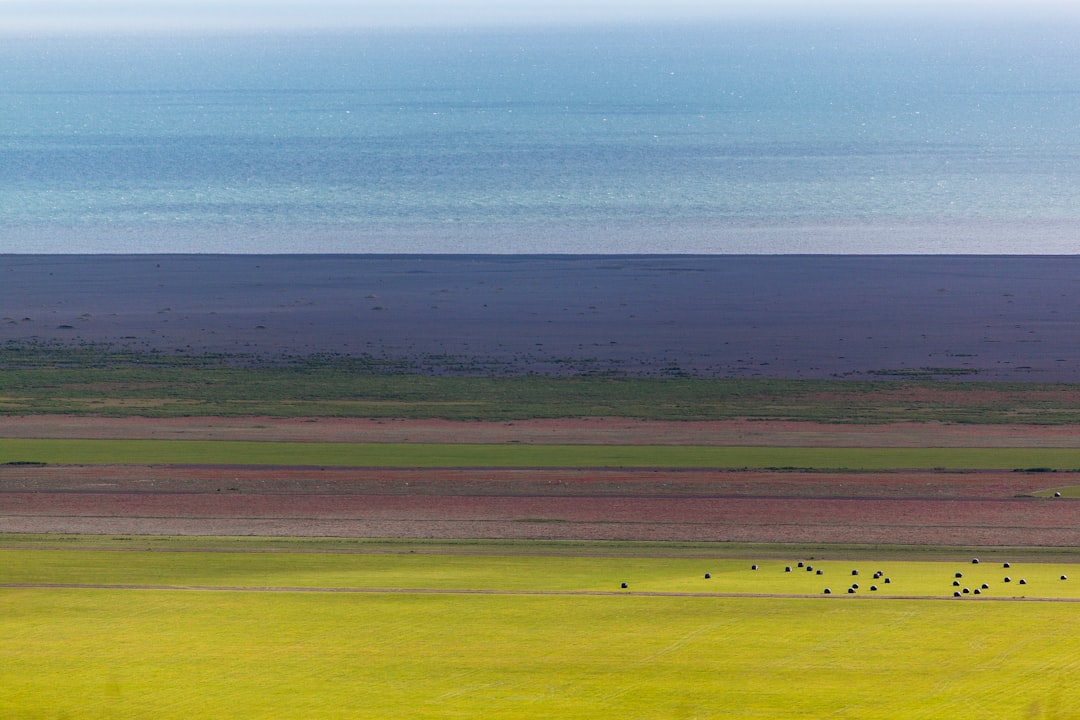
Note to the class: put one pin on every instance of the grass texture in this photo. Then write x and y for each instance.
(522, 639)
(513, 573)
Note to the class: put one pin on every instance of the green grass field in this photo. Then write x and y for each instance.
(144, 452)
(509, 636)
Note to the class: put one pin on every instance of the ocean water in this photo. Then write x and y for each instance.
(739, 138)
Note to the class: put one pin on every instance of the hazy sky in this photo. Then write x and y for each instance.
(92, 16)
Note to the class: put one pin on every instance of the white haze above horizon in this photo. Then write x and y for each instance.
(67, 17)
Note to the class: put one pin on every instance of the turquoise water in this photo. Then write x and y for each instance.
(766, 138)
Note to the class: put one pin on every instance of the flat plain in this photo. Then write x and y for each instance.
(369, 489)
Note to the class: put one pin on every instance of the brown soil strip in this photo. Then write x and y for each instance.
(524, 482)
(977, 509)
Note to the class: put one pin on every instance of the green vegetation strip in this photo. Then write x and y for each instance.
(1070, 491)
(151, 452)
(50, 379)
(497, 653)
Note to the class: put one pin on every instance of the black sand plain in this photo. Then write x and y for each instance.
(1000, 318)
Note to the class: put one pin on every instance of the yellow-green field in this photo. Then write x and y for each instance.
(515, 573)
(392, 635)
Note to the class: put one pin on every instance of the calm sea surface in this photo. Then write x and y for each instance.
(727, 139)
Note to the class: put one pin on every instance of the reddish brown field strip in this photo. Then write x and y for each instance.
(915, 508)
(975, 521)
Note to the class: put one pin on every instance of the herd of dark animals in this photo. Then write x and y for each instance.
(879, 574)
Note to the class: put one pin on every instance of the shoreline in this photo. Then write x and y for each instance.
(641, 236)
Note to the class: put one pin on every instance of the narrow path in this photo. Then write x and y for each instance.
(459, 591)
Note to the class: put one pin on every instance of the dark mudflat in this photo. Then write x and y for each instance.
(972, 317)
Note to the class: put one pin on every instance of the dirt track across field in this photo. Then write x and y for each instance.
(441, 591)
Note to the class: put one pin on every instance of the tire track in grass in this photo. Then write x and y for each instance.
(467, 591)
